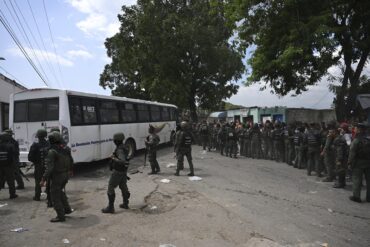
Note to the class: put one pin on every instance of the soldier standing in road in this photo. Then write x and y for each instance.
(328, 153)
(7, 163)
(299, 147)
(59, 164)
(247, 141)
(184, 140)
(204, 133)
(17, 175)
(278, 142)
(341, 155)
(359, 162)
(119, 166)
(221, 136)
(241, 132)
(151, 144)
(312, 140)
(232, 147)
(37, 156)
(255, 137)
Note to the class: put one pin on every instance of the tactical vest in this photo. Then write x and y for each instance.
(63, 161)
(6, 155)
(297, 139)
(312, 139)
(277, 135)
(364, 149)
(187, 140)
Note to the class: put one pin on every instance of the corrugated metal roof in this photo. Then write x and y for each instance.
(364, 101)
(218, 114)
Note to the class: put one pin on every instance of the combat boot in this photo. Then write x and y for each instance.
(125, 200)
(177, 173)
(355, 199)
(58, 219)
(110, 208)
(340, 183)
(13, 196)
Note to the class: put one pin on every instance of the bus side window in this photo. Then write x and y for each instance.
(52, 109)
(128, 113)
(75, 111)
(143, 113)
(155, 113)
(89, 111)
(109, 112)
(36, 111)
(20, 111)
(165, 114)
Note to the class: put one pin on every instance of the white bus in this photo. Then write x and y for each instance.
(87, 121)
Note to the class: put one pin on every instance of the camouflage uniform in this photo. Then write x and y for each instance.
(255, 142)
(151, 143)
(37, 155)
(341, 156)
(184, 140)
(359, 162)
(312, 140)
(119, 166)
(7, 163)
(58, 165)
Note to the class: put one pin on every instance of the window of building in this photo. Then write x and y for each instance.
(155, 113)
(109, 112)
(36, 111)
(143, 113)
(128, 112)
(20, 111)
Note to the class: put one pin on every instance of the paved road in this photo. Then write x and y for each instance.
(238, 202)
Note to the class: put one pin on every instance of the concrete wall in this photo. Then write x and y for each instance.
(7, 87)
(309, 115)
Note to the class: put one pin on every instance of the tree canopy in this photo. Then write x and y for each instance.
(173, 51)
(297, 41)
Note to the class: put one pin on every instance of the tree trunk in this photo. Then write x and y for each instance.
(340, 106)
(192, 105)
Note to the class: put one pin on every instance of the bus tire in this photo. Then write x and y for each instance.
(131, 147)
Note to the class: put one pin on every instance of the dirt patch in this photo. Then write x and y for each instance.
(159, 203)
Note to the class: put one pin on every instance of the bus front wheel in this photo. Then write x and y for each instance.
(131, 147)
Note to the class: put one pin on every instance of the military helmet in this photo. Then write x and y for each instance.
(184, 125)
(9, 132)
(55, 137)
(118, 136)
(55, 129)
(41, 133)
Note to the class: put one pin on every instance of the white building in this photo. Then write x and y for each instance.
(7, 87)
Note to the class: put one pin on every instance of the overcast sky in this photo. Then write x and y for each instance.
(79, 28)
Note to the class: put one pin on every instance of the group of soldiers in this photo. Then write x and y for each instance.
(52, 161)
(330, 150)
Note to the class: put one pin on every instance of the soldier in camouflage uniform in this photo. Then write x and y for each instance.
(247, 141)
(328, 153)
(204, 134)
(288, 144)
(265, 140)
(7, 165)
(17, 174)
(119, 165)
(255, 135)
(232, 147)
(221, 136)
(59, 164)
(312, 141)
(341, 156)
(359, 162)
(215, 137)
(184, 140)
(151, 143)
(299, 147)
(37, 155)
(277, 136)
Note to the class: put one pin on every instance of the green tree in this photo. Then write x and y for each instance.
(297, 41)
(173, 51)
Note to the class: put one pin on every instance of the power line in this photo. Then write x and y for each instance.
(20, 46)
(15, 78)
(52, 39)
(51, 68)
(25, 36)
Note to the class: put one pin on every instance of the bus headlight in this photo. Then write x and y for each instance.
(65, 134)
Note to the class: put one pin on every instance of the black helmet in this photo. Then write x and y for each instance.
(184, 125)
(41, 133)
(118, 136)
(55, 137)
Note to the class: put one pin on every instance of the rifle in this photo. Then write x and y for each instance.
(22, 174)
